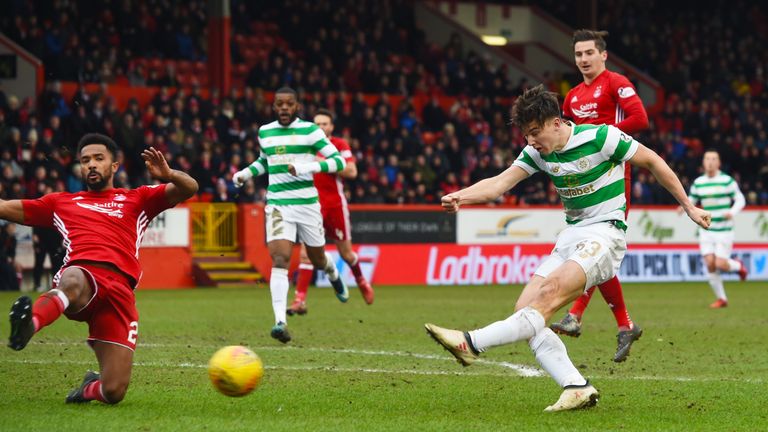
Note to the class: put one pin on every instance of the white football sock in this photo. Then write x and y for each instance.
(522, 325)
(716, 283)
(551, 354)
(330, 267)
(278, 287)
(733, 265)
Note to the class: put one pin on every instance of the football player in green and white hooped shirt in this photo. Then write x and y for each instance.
(288, 149)
(719, 194)
(586, 165)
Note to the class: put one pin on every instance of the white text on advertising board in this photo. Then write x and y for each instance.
(476, 268)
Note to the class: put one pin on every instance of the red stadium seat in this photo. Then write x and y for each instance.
(184, 66)
(183, 79)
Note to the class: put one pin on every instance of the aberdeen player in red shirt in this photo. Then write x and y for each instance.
(102, 230)
(604, 97)
(333, 205)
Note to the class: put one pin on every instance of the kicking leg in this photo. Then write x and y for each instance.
(540, 299)
(72, 294)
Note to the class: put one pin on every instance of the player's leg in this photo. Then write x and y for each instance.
(720, 260)
(731, 265)
(113, 325)
(708, 245)
(281, 235)
(350, 257)
(339, 228)
(724, 262)
(541, 298)
(715, 281)
(322, 260)
(306, 270)
(72, 294)
(611, 289)
(585, 256)
(312, 233)
(280, 251)
(581, 303)
(111, 383)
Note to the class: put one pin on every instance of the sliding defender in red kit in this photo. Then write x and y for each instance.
(102, 230)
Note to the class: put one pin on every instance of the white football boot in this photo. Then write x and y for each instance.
(455, 341)
(575, 397)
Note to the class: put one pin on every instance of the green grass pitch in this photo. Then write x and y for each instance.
(353, 367)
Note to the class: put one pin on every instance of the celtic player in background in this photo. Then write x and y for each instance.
(288, 148)
(586, 165)
(719, 194)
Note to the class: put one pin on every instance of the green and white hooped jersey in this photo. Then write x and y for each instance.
(718, 195)
(297, 143)
(588, 172)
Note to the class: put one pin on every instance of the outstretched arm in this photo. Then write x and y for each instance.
(181, 186)
(12, 211)
(485, 190)
(648, 159)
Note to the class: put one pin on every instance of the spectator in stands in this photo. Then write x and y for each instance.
(10, 270)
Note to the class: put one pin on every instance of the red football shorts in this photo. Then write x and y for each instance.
(111, 313)
(336, 223)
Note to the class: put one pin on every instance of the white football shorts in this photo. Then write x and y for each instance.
(719, 243)
(598, 248)
(296, 223)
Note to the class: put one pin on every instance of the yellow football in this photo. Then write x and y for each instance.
(235, 370)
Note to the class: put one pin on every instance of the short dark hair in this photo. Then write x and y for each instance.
(287, 90)
(583, 35)
(97, 138)
(535, 105)
(326, 112)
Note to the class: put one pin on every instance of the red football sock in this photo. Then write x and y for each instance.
(93, 392)
(611, 291)
(581, 303)
(48, 308)
(302, 282)
(355, 267)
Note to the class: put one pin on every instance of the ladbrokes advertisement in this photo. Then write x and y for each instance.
(446, 264)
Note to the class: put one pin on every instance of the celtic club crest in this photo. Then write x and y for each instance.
(571, 180)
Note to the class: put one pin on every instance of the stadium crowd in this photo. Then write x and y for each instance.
(406, 153)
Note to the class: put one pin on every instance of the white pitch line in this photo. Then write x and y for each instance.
(521, 370)
(459, 372)
(290, 368)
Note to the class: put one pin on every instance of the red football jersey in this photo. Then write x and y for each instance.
(100, 226)
(330, 188)
(610, 99)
